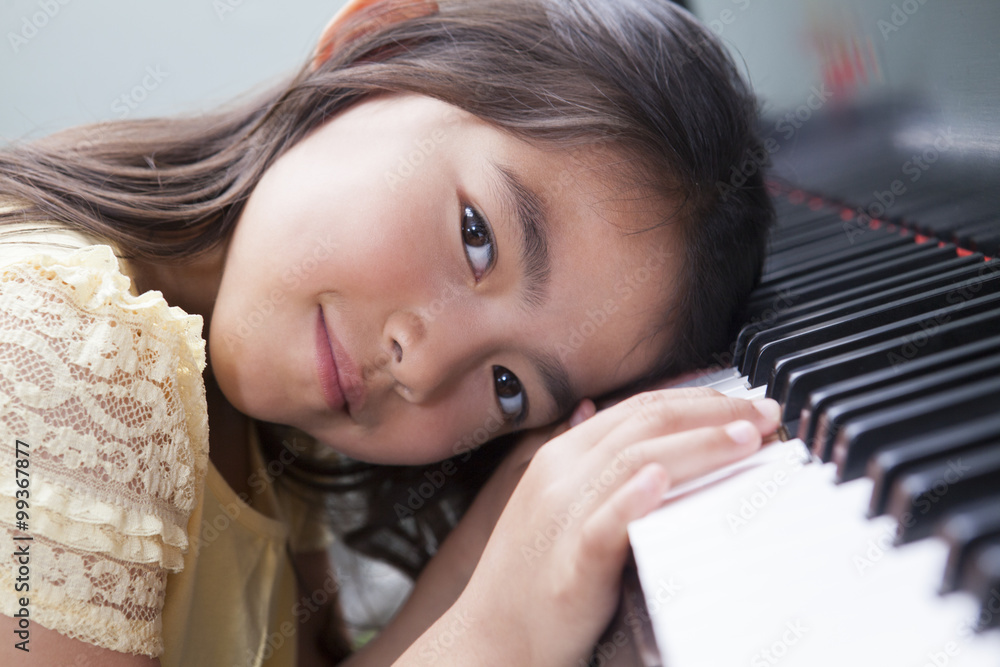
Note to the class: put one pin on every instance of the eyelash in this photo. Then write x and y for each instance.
(503, 379)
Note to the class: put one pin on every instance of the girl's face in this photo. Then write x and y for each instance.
(409, 281)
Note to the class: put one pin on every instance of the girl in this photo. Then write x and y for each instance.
(458, 221)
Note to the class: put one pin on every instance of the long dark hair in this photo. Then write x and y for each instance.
(642, 75)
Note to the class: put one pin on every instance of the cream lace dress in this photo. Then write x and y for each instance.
(137, 543)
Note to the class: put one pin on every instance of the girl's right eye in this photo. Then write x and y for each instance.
(480, 250)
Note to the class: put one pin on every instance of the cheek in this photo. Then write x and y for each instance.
(403, 256)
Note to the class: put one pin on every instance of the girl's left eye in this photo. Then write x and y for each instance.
(477, 238)
(509, 393)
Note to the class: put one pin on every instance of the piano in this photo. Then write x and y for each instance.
(868, 533)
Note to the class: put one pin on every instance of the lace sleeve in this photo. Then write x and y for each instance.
(106, 390)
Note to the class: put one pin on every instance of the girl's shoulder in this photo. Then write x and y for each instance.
(101, 395)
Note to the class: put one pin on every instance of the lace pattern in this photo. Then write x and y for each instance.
(106, 388)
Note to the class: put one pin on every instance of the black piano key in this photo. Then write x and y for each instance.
(917, 328)
(973, 238)
(895, 280)
(860, 439)
(767, 347)
(822, 231)
(779, 261)
(981, 578)
(987, 243)
(883, 298)
(830, 281)
(840, 413)
(965, 530)
(850, 252)
(919, 498)
(784, 314)
(953, 344)
(836, 256)
(891, 463)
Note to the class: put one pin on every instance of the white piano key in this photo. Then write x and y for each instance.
(775, 564)
(728, 382)
(731, 384)
(739, 388)
(708, 379)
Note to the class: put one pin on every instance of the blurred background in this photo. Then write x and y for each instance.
(67, 62)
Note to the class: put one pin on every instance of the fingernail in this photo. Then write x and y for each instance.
(769, 408)
(742, 432)
(581, 414)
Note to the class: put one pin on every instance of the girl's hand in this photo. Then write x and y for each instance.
(446, 575)
(548, 580)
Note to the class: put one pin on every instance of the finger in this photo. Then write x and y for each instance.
(606, 420)
(681, 457)
(666, 416)
(604, 535)
(690, 454)
(685, 455)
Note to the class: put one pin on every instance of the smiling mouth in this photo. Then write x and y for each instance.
(326, 367)
(338, 378)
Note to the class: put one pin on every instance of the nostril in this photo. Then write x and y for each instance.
(397, 351)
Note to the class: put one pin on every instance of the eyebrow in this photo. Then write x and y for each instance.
(526, 207)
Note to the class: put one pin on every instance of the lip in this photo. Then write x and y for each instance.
(338, 375)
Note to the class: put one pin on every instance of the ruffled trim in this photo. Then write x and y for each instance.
(133, 533)
(100, 284)
(89, 524)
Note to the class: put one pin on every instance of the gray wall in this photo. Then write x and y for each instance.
(66, 62)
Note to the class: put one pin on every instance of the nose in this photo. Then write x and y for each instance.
(424, 358)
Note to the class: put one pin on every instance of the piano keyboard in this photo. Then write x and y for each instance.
(870, 535)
